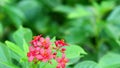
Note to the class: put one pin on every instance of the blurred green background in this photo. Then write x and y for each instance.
(92, 24)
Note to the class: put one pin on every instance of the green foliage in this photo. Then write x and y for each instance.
(90, 27)
(110, 60)
(22, 35)
(87, 64)
(15, 48)
(1, 29)
(73, 51)
(5, 59)
(53, 65)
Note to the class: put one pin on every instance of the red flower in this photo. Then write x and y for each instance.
(62, 61)
(33, 52)
(42, 50)
(46, 55)
(45, 42)
(60, 43)
(34, 42)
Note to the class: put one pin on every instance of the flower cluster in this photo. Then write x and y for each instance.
(41, 49)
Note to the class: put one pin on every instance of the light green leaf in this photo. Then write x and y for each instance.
(79, 12)
(63, 9)
(113, 31)
(8, 65)
(114, 16)
(4, 2)
(110, 60)
(87, 64)
(73, 51)
(118, 41)
(3, 56)
(15, 48)
(53, 65)
(21, 35)
(25, 47)
(105, 6)
(73, 60)
(53, 40)
(5, 51)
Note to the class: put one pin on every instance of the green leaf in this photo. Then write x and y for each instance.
(51, 3)
(73, 51)
(3, 57)
(73, 60)
(53, 40)
(2, 3)
(114, 16)
(113, 25)
(113, 31)
(31, 9)
(118, 41)
(53, 65)
(5, 51)
(41, 24)
(110, 60)
(15, 14)
(22, 35)
(8, 65)
(25, 47)
(81, 30)
(1, 29)
(79, 12)
(63, 9)
(105, 6)
(87, 64)
(15, 48)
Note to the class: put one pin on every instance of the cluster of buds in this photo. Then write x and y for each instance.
(41, 49)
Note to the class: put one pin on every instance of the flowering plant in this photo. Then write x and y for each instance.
(41, 49)
(41, 52)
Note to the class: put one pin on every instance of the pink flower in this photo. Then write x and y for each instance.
(60, 43)
(46, 55)
(35, 40)
(62, 61)
(39, 41)
(30, 56)
(42, 50)
(45, 42)
(32, 53)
